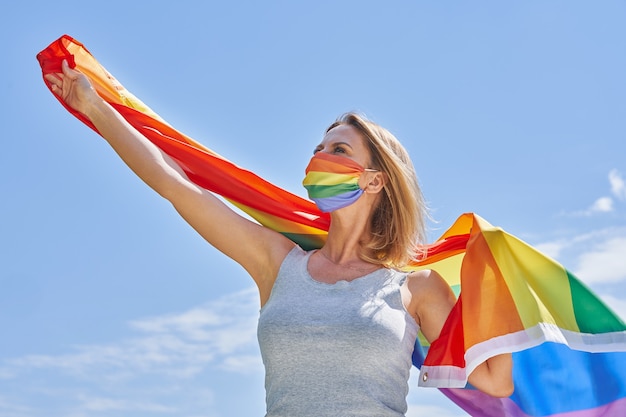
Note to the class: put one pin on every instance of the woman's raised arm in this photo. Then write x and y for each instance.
(258, 249)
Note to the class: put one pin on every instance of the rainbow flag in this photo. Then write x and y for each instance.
(569, 349)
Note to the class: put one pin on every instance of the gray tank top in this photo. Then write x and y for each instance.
(335, 349)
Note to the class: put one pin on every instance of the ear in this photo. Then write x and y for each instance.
(375, 182)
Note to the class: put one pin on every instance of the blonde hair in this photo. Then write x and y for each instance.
(398, 223)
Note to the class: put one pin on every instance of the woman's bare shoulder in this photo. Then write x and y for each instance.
(430, 300)
(426, 280)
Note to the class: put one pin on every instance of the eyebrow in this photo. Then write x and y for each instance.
(319, 147)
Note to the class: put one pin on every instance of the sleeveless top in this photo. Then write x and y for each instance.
(339, 349)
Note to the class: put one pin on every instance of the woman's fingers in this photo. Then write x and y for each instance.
(70, 73)
(72, 87)
(63, 83)
(67, 75)
(55, 81)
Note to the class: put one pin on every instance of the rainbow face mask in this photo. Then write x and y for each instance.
(332, 181)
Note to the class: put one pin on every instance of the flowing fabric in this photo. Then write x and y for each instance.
(569, 349)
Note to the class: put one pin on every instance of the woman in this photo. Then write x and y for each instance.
(337, 325)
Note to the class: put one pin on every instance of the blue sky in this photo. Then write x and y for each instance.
(110, 305)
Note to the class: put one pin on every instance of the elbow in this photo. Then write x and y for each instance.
(498, 389)
(502, 390)
(495, 376)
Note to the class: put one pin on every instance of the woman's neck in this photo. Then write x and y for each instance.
(346, 237)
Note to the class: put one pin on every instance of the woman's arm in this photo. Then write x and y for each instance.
(258, 249)
(494, 376)
(431, 302)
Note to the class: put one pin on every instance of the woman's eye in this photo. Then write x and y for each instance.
(336, 149)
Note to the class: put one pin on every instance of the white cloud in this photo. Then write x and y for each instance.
(190, 323)
(178, 345)
(243, 364)
(11, 408)
(161, 354)
(170, 360)
(99, 404)
(556, 248)
(618, 186)
(552, 249)
(618, 305)
(6, 373)
(606, 204)
(225, 325)
(601, 205)
(605, 263)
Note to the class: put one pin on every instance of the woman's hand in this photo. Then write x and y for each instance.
(74, 88)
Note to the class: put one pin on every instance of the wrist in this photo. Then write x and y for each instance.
(95, 107)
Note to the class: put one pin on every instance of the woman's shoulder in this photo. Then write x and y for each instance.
(426, 283)
(431, 300)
